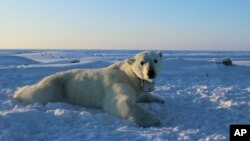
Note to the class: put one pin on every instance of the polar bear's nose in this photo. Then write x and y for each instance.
(151, 74)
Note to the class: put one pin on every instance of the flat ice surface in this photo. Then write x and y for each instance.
(202, 97)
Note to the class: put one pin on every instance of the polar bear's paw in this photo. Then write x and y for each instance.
(148, 120)
(150, 98)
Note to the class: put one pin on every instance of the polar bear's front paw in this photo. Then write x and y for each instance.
(148, 120)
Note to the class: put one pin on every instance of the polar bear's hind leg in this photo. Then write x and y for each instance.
(43, 92)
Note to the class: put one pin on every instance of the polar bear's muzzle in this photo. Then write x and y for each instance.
(151, 74)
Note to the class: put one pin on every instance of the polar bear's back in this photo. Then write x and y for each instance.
(89, 87)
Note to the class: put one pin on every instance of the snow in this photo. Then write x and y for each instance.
(202, 98)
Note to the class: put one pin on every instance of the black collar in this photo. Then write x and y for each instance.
(147, 86)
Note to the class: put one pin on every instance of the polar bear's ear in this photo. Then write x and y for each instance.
(160, 53)
(130, 61)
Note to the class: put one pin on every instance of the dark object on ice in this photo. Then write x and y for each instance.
(75, 61)
(227, 61)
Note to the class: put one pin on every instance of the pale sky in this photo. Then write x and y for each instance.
(125, 24)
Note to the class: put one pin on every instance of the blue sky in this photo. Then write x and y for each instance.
(125, 24)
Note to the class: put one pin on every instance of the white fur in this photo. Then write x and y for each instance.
(116, 89)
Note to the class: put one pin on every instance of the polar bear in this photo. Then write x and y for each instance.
(117, 89)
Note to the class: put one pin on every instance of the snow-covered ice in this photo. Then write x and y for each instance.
(202, 98)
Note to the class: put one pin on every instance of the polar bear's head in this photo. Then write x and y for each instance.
(146, 65)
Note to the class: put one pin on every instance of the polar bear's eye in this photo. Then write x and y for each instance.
(142, 63)
(156, 61)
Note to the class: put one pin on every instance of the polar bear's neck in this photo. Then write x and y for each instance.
(134, 80)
